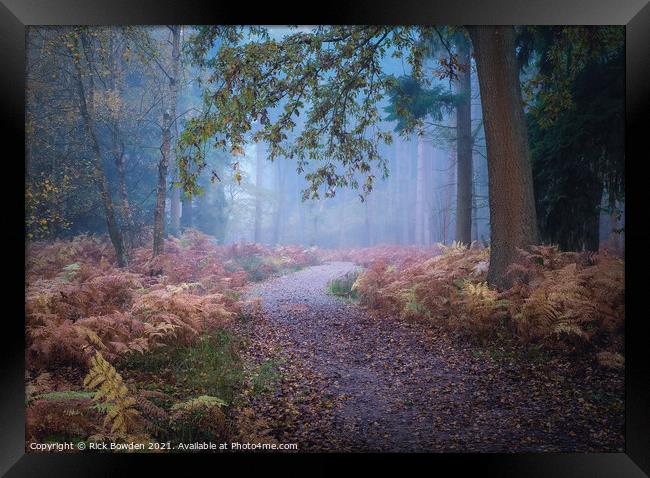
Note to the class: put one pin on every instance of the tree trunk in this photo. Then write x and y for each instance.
(175, 200)
(367, 241)
(169, 116)
(344, 199)
(301, 223)
(448, 191)
(412, 190)
(592, 223)
(175, 209)
(428, 194)
(464, 147)
(279, 204)
(222, 216)
(161, 191)
(203, 215)
(419, 194)
(187, 218)
(99, 175)
(510, 178)
(615, 236)
(402, 160)
(259, 167)
(127, 216)
(474, 213)
(117, 145)
(392, 231)
(316, 211)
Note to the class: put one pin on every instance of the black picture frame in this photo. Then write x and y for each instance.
(16, 15)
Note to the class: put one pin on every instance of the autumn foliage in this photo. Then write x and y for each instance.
(566, 301)
(88, 322)
(85, 318)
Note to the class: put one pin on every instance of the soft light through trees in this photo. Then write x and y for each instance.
(378, 130)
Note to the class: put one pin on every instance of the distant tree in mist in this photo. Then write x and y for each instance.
(339, 70)
(107, 130)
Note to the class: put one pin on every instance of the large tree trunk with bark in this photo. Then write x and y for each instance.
(169, 117)
(510, 178)
(464, 146)
(99, 175)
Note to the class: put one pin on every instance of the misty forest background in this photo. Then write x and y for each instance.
(578, 191)
(473, 176)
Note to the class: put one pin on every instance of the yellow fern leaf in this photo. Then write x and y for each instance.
(111, 393)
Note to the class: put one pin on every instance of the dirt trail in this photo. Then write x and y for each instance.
(392, 385)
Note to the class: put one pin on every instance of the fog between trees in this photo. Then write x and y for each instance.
(135, 129)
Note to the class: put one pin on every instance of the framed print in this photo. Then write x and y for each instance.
(396, 232)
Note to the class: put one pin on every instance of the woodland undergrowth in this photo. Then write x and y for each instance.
(564, 302)
(108, 349)
(150, 352)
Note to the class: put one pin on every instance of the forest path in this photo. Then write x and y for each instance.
(355, 382)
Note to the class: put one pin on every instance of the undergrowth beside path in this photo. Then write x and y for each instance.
(382, 349)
